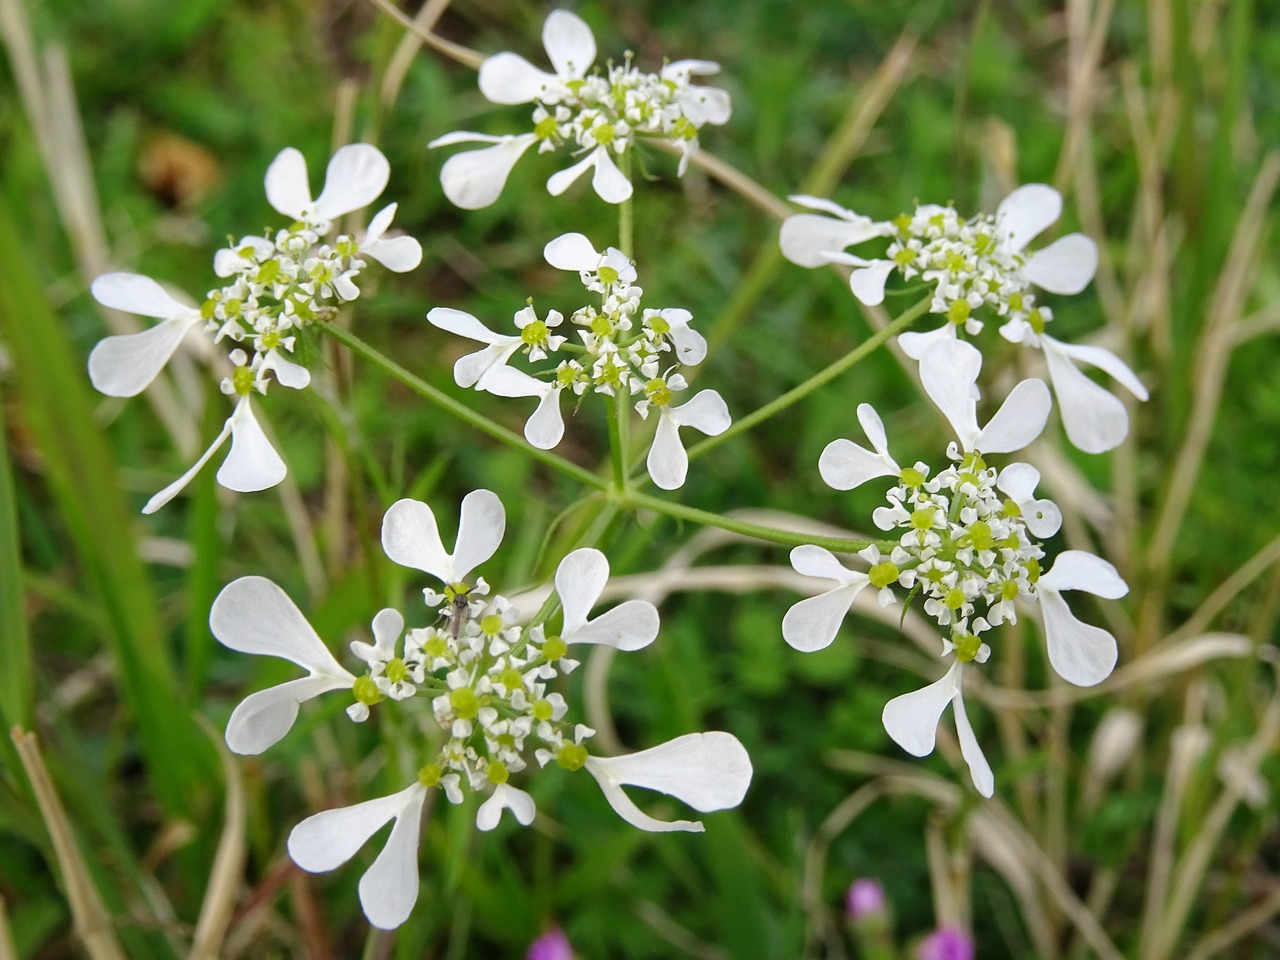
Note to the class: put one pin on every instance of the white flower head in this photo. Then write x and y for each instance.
(708, 771)
(253, 615)
(411, 538)
(470, 371)
(912, 721)
(580, 579)
(845, 465)
(399, 254)
(389, 888)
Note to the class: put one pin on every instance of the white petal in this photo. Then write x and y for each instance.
(912, 719)
(510, 78)
(134, 293)
(708, 771)
(572, 251)
(288, 374)
(1078, 570)
(253, 615)
(1020, 419)
(262, 719)
(474, 179)
(873, 427)
(820, 562)
(327, 840)
(463, 324)
(1026, 213)
(1104, 360)
(562, 180)
(915, 344)
(806, 237)
(287, 189)
(845, 465)
(397, 254)
(948, 371)
(173, 489)
(683, 69)
(580, 580)
(703, 105)
(1065, 266)
(411, 538)
(388, 624)
(691, 346)
(379, 224)
(466, 136)
(610, 183)
(624, 807)
(632, 625)
(706, 412)
(1042, 517)
(504, 381)
(867, 283)
(1080, 653)
(569, 44)
(480, 528)
(812, 624)
(971, 750)
(1018, 481)
(1095, 421)
(253, 463)
(389, 888)
(545, 428)
(356, 177)
(668, 464)
(506, 797)
(124, 366)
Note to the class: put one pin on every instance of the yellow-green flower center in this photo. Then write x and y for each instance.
(534, 333)
(572, 756)
(497, 772)
(366, 691)
(554, 648)
(967, 647)
(884, 573)
(465, 703)
(242, 380)
(429, 775)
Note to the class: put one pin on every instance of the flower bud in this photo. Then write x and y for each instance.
(552, 945)
(946, 943)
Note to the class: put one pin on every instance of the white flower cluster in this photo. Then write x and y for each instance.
(968, 541)
(486, 680)
(980, 263)
(627, 352)
(275, 288)
(598, 114)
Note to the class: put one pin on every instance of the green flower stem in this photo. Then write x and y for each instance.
(462, 412)
(820, 378)
(788, 538)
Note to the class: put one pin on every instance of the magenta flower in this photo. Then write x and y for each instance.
(865, 898)
(947, 943)
(552, 945)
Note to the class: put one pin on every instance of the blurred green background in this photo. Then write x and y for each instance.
(1157, 120)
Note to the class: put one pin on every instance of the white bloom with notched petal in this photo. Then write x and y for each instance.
(398, 254)
(470, 370)
(949, 373)
(808, 239)
(912, 721)
(580, 579)
(1066, 265)
(813, 623)
(506, 797)
(708, 771)
(845, 465)
(388, 625)
(1018, 481)
(545, 428)
(356, 176)
(599, 272)
(667, 462)
(610, 184)
(253, 463)
(474, 179)
(1080, 653)
(411, 538)
(123, 366)
(253, 615)
(571, 47)
(389, 888)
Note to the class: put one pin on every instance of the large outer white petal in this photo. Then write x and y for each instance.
(253, 463)
(545, 427)
(1095, 420)
(1065, 266)
(506, 797)
(356, 177)
(806, 238)
(480, 528)
(571, 251)
(397, 254)
(262, 719)
(411, 538)
(124, 366)
(706, 412)
(708, 771)
(867, 283)
(288, 374)
(1018, 481)
(813, 623)
(569, 43)
(691, 346)
(1026, 213)
(463, 324)
(173, 489)
(812, 561)
(1103, 360)
(845, 465)
(389, 888)
(915, 344)
(253, 615)
(474, 179)
(134, 293)
(668, 464)
(1078, 570)
(607, 180)
(580, 580)
(970, 749)
(1020, 419)
(703, 105)
(912, 719)
(1080, 653)
(509, 78)
(287, 189)
(327, 840)
(948, 371)
(632, 625)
